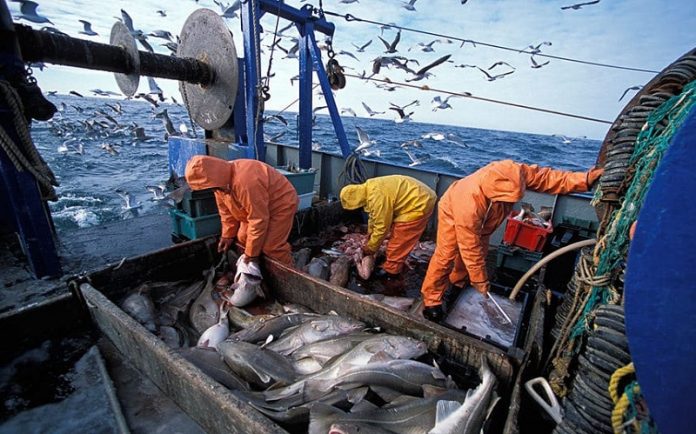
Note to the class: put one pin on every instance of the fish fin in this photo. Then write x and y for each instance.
(444, 410)
(263, 376)
(363, 405)
(204, 344)
(380, 357)
(399, 401)
(354, 396)
(430, 391)
(494, 400)
(269, 339)
(450, 384)
(435, 364)
(385, 393)
(437, 374)
(314, 389)
(333, 312)
(322, 416)
(280, 392)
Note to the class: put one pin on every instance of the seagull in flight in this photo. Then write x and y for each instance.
(426, 48)
(415, 161)
(370, 111)
(162, 13)
(409, 5)
(364, 139)
(129, 203)
(439, 104)
(577, 6)
(423, 72)
(28, 12)
(157, 191)
(391, 48)
(349, 111)
(490, 77)
(565, 140)
(87, 30)
(499, 63)
(536, 65)
(630, 89)
(361, 49)
(403, 117)
(536, 49)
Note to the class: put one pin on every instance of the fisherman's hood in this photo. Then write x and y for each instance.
(204, 172)
(354, 196)
(502, 181)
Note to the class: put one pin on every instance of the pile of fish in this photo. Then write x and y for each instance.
(299, 367)
(541, 219)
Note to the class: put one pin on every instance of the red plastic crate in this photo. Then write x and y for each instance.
(525, 235)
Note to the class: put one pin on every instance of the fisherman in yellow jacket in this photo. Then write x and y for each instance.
(400, 203)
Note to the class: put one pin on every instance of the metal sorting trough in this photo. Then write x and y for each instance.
(211, 404)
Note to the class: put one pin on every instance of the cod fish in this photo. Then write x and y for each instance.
(242, 319)
(398, 303)
(300, 413)
(216, 333)
(340, 271)
(302, 257)
(255, 364)
(205, 312)
(318, 329)
(209, 361)
(380, 347)
(413, 416)
(467, 418)
(260, 330)
(405, 376)
(140, 306)
(171, 307)
(325, 350)
(319, 268)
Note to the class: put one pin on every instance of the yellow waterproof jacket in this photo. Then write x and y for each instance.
(387, 200)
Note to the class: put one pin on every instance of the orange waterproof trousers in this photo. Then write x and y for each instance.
(276, 244)
(404, 236)
(446, 265)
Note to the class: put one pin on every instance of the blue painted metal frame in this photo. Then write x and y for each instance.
(310, 60)
(29, 213)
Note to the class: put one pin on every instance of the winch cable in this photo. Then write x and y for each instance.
(479, 98)
(267, 85)
(27, 157)
(353, 18)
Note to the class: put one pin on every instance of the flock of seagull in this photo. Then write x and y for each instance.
(393, 57)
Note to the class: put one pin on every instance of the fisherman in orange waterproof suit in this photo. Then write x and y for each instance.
(256, 204)
(470, 211)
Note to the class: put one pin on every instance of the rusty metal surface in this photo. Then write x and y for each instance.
(209, 403)
(205, 37)
(121, 37)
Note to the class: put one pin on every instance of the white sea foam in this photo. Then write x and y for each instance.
(81, 216)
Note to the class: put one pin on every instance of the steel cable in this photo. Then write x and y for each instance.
(351, 18)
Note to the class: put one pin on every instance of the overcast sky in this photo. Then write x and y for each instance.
(646, 34)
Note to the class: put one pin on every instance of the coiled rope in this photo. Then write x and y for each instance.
(24, 155)
(612, 248)
(626, 406)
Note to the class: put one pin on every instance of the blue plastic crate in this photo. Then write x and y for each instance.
(185, 226)
(303, 181)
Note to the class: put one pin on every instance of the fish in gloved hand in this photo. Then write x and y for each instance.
(247, 284)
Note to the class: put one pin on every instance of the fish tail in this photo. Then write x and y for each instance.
(321, 417)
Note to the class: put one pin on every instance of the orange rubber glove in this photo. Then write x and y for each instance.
(482, 287)
(225, 244)
(593, 175)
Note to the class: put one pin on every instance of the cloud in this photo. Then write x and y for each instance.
(638, 33)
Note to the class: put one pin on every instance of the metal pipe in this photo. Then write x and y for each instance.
(41, 46)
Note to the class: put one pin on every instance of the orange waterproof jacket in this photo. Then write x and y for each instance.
(251, 192)
(387, 200)
(481, 201)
